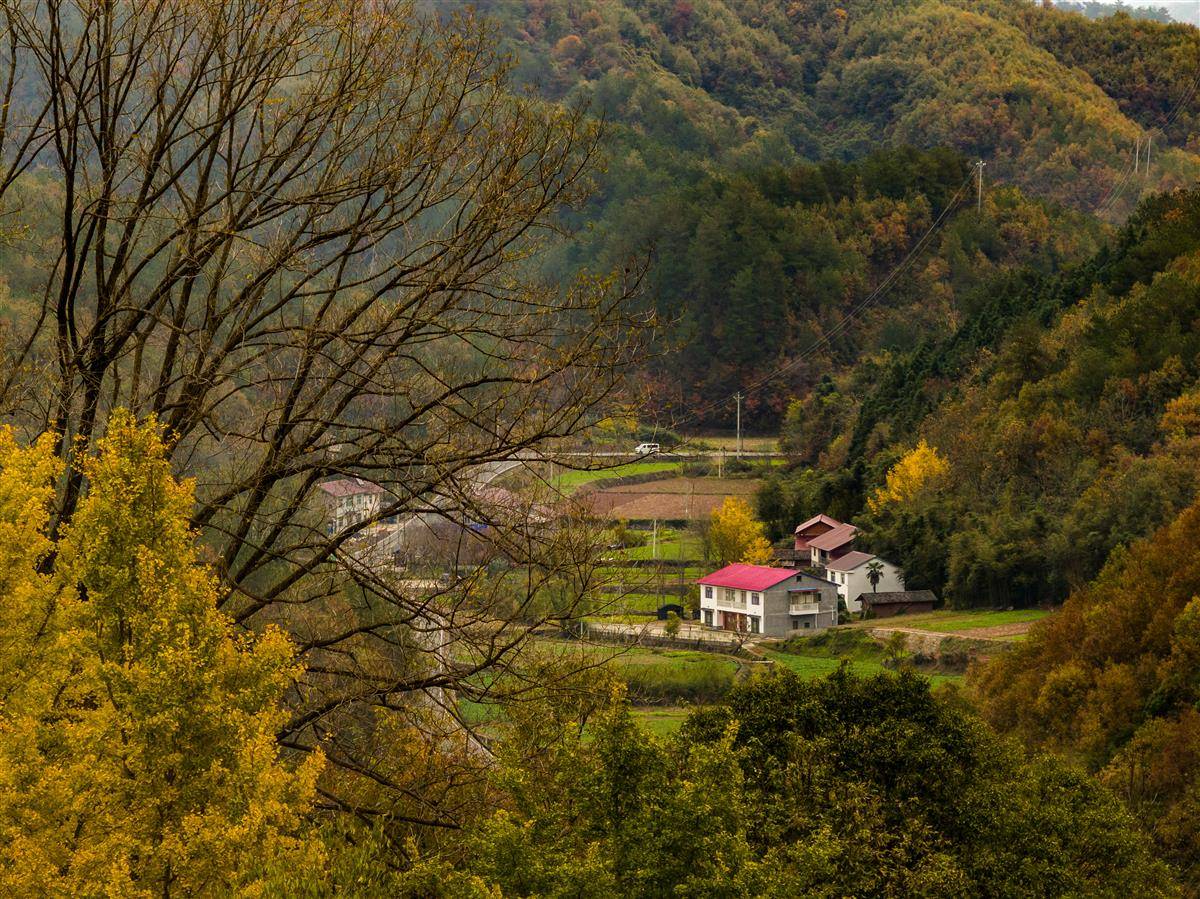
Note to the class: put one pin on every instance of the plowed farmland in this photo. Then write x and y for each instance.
(673, 499)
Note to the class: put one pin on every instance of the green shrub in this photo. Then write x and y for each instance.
(698, 681)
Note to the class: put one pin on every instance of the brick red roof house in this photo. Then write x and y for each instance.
(814, 527)
(833, 544)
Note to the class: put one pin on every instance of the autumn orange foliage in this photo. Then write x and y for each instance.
(1113, 679)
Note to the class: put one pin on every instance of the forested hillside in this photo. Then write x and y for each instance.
(1094, 10)
(718, 110)
(1112, 680)
(1060, 409)
(753, 269)
(751, 80)
(304, 308)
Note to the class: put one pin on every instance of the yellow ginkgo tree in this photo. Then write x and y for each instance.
(137, 727)
(919, 470)
(735, 535)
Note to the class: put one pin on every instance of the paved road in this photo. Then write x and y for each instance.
(649, 457)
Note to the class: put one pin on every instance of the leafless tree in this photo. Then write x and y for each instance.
(303, 234)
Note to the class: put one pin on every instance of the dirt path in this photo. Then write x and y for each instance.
(1000, 631)
(938, 636)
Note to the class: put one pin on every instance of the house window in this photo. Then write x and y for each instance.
(753, 624)
(753, 599)
(708, 593)
(741, 596)
(808, 624)
(795, 624)
(708, 617)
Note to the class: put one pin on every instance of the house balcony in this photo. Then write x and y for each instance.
(804, 608)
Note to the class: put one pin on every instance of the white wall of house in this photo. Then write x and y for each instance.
(852, 584)
(800, 603)
(715, 600)
(350, 510)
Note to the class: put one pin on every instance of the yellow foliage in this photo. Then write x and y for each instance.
(737, 536)
(759, 552)
(1181, 420)
(137, 732)
(917, 470)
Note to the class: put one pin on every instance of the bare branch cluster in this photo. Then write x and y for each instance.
(303, 234)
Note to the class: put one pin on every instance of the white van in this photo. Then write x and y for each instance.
(647, 449)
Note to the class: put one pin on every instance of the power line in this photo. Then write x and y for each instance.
(850, 316)
(1109, 201)
(1106, 204)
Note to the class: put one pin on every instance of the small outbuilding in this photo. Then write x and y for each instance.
(890, 603)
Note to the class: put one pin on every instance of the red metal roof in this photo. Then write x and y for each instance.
(831, 540)
(747, 577)
(849, 562)
(817, 519)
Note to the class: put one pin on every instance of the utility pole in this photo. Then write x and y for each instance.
(1137, 149)
(979, 165)
(1149, 138)
(657, 568)
(738, 397)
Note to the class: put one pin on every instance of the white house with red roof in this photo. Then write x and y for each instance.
(774, 602)
(809, 530)
(852, 574)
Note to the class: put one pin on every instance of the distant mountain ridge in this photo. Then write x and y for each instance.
(720, 112)
(1053, 100)
(1093, 10)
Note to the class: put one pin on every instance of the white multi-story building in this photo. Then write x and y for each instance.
(852, 575)
(775, 602)
(350, 501)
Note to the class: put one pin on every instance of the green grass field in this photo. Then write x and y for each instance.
(664, 684)
(568, 481)
(952, 621)
(634, 601)
(671, 544)
(817, 656)
(661, 722)
(628, 574)
(653, 676)
(809, 667)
